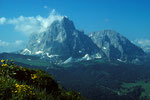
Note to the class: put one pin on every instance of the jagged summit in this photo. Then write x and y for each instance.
(116, 46)
(62, 40)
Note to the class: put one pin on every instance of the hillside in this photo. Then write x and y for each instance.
(100, 80)
(19, 83)
(94, 79)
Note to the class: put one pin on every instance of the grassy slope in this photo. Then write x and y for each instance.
(18, 83)
(26, 59)
(143, 84)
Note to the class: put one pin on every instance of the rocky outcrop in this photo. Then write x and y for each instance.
(116, 46)
(62, 40)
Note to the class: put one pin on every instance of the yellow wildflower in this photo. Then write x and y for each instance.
(3, 65)
(24, 69)
(17, 85)
(23, 89)
(33, 76)
(2, 61)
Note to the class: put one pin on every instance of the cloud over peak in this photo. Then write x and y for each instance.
(11, 46)
(30, 25)
(143, 43)
(3, 43)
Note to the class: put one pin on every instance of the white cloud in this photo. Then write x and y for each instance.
(3, 43)
(143, 43)
(19, 42)
(2, 20)
(12, 46)
(38, 24)
(46, 7)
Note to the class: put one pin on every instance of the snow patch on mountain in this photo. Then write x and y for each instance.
(38, 41)
(26, 52)
(51, 56)
(70, 59)
(28, 59)
(97, 55)
(39, 52)
(86, 57)
(104, 48)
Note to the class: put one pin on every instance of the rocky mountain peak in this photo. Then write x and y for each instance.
(116, 46)
(63, 23)
(62, 40)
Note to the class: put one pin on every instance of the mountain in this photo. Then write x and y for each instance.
(62, 41)
(116, 46)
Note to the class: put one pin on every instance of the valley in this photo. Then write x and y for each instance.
(96, 79)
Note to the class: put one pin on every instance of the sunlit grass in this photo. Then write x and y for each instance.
(143, 84)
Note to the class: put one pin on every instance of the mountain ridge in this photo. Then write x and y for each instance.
(116, 46)
(62, 42)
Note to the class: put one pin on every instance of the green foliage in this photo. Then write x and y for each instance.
(18, 83)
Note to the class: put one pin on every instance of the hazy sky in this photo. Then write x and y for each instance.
(131, 18)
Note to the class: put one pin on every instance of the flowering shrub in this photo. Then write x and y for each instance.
(23, 91)
(19, 83)
(3, 63)
(33, 76)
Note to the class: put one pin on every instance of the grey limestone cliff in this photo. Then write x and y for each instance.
(63, 40)
(116, 46)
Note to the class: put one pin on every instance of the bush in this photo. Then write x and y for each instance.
(18, 83)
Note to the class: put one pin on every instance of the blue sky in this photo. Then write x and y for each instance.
(131, 18)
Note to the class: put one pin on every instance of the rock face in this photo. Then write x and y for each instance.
(116, 46)
(61, 40)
